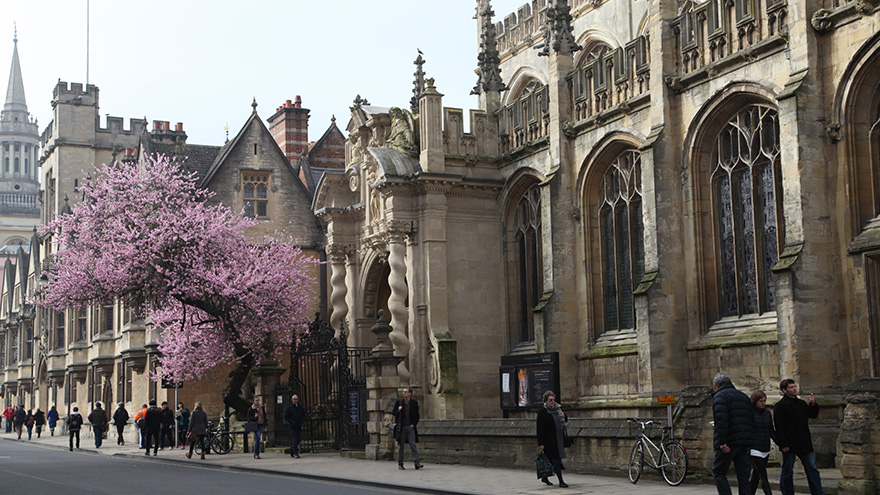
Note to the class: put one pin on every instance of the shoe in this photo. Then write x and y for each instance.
(147, 454)
(419, 465)
(257, 457)
(189, 455)
(563, 485)
(546, 481)
(71, 449)
(400, 466)
(296, 456)
(203, 456)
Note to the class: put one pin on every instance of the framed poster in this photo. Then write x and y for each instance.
(525, 377)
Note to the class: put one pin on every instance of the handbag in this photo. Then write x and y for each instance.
(250, 426)
(543, 465)
(567, 441)
(395, 430)
(191, 436)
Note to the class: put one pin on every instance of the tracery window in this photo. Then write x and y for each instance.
(622, 239)
(746, 191)
(256, 193)
(529, 273)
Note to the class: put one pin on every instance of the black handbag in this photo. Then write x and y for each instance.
(251, 426)
(395, 430)
(567, 441)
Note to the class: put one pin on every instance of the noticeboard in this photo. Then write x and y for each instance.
(525, 377)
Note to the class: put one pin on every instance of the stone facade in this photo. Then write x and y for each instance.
(657, 191)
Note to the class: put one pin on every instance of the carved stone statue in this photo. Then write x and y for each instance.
(402, 138)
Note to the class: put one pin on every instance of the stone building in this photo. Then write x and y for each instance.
(655, 190)
(19, 154)
(83, 355)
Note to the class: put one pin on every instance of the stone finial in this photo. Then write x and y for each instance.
(488, 60)
(558, 35)
(382, 329)
(418, 83)
(254, 104)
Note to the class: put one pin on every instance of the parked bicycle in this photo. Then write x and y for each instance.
(670, 457)
(221, 442)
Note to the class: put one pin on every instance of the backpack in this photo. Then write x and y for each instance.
(76, 421)
(30, 421)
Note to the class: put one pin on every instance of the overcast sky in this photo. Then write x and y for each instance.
(201, 62)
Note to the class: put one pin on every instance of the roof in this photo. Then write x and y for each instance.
(198, 157)
(15, 100)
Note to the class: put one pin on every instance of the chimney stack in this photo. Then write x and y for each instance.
(289, 127)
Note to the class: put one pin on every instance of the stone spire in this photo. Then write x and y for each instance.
(557, 30)
(488, 61)
(418, 83)
(15, 101)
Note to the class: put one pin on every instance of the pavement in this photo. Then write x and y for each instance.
(434, 478)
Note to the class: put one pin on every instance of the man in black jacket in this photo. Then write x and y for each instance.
(152, 427)
(167, 435)
(295, 415)
(734, 432)
(791, 416)
(406, 413)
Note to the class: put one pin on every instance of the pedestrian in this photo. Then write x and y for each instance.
(100, 421)
(791, 416)
(295, 416)
(406, 413)
(550, 425)
(139, 425)
(257, 414)
(182, 424)
(18, 419)
(764, 432)
(29, 423)
(733, 436)
(120, 419)
(74, 423)
(52, 418)
(8, 413)
(39, 421)
(167, 435)
(152, 427)
(198, 424)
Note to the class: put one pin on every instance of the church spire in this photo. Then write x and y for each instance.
(15, 101)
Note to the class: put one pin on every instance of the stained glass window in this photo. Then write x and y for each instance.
(745, 190)
(529, 267)
(622, 232)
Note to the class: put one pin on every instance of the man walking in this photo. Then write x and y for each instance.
(406, 413)
(152, 427)
(120, 419)
(295, 415)
(98, 418)
(74, 423)
(167, 426)
(8, 413)
(791, 416)
(19, 418)
(734, 431)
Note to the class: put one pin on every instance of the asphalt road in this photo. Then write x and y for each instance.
(34, 470)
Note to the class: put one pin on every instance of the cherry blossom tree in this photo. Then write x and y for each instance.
(146, 235)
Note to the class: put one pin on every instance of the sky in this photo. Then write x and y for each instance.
(203, 62)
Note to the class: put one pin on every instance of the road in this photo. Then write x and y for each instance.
(37, 470)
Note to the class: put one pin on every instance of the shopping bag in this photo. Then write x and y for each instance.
(543, 465)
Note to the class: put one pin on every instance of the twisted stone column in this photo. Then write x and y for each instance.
(338, 289)
(397, 283)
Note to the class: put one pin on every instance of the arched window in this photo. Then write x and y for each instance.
(526, 257)
(745, 189)
(17, 166)
(622, 245)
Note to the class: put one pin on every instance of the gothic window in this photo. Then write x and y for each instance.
(256, 193)
(527, 240)
(59, 329)
(120, 381)
(595, 56)
(622, 239)
(746, 191)
(14, 349)
(28, 341)
(107, 318)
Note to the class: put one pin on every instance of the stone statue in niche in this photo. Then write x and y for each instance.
(402, 137)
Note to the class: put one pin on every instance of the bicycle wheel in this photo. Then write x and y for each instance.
(198, 445)
(636, 462)
(223, 443)
(675, 463)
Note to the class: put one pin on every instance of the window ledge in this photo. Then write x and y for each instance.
(619, 343)
(740, 331)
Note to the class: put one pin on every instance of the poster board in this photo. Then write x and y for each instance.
(525, 377)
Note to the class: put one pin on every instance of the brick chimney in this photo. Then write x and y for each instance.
(289, 126)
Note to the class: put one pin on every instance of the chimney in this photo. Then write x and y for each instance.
(157, 125)
(178, 126)
(289, 127)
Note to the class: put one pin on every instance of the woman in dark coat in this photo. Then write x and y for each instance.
(551, 426)
(764, 432)
(39, 421)
(198, 424)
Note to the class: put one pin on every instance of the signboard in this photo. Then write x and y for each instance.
(664, 400)
(166, 383)
(524, 378)
(354, 403)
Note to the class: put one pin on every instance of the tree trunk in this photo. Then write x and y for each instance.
(233, 397)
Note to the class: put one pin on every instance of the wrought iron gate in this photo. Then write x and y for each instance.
(330, 379)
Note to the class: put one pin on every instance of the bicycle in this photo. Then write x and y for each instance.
(221, 442)
(671, 454)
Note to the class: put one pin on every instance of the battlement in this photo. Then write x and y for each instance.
(73, 93)
(527, 23)
(114, 125)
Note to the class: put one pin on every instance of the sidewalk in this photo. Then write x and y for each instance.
(435, 478)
